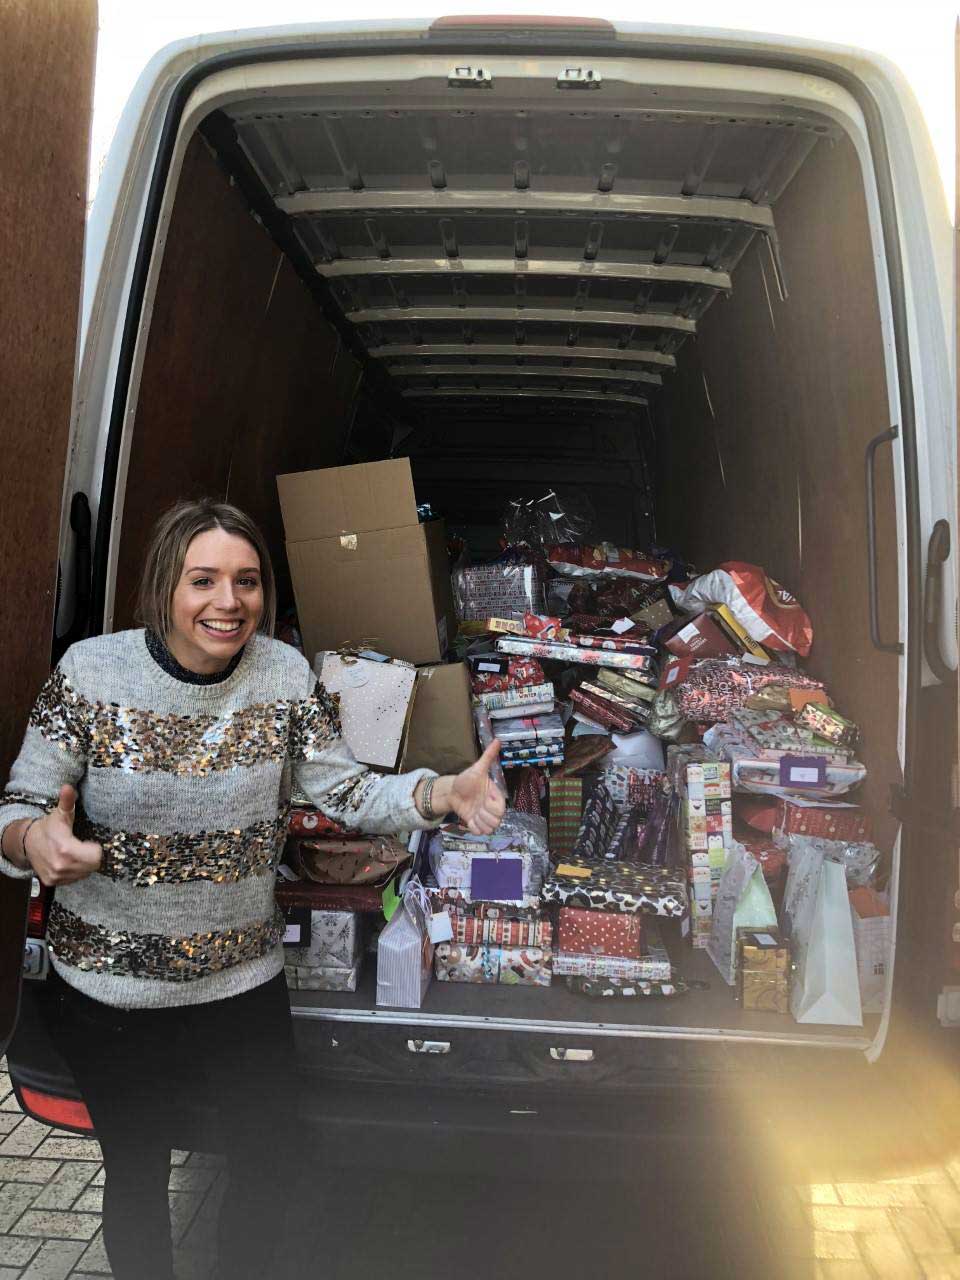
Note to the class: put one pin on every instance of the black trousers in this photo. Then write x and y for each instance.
(136, 1068)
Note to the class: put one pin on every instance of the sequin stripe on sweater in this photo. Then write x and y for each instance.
(152, 955)
(47, 803)
(221, 857)
(315, 723)
(63, 715)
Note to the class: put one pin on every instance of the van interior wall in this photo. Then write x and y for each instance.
(243, 377)
(761, 437)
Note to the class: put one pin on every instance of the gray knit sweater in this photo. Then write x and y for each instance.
(187, 788)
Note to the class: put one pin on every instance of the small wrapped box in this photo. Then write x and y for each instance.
(322, 978)
(600, 933)
(652, 966)
(763, 970)
(334, 942)
(503, 931)
(828, 821)
(616, 886)
(508, 966)
(572, 653)
(827, 723)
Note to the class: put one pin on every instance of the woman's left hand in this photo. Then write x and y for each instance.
(472, 795)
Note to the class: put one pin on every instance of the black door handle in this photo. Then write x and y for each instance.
(885, 646)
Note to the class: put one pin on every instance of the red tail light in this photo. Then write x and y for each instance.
(65, 1113)
(38, 909)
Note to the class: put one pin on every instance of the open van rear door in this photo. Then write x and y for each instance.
(47, 54)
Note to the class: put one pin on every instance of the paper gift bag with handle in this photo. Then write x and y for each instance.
(405, 952)
(743, 901)
(826, 987)
(375, 703)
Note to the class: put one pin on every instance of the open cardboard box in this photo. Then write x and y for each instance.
(365, 571)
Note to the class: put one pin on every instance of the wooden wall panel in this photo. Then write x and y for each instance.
(762, 434)
(46, 84)
(242, 376)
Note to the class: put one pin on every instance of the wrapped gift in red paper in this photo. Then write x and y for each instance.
(829, 822)
(600, 933)
(313, 823)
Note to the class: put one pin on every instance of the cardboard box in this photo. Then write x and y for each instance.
(441, 733)
(365, 571)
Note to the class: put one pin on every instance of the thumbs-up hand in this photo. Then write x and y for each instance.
(56, 855)
(474, 797)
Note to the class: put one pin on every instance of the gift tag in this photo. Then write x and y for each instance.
(803, 771)
(496, 879)
(441, 927)
(621, 625)
(674, 672)
(354, 675)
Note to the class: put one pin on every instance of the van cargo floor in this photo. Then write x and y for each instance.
(699, 1012)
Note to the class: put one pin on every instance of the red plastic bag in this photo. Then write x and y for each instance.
(769, 614)
(593, 561)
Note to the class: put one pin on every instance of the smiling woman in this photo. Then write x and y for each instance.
(185, 741)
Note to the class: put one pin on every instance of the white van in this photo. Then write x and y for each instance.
(706, 279)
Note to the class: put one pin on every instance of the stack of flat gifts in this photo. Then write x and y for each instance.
(508, 687)
(531, 740)
(490, 889)
(605, 944)
(702, 786)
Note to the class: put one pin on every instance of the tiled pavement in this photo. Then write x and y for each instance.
(848, 1226)
(50, 1193)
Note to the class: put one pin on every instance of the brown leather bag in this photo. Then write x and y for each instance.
(360, 860)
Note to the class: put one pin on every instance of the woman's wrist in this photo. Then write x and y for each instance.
(432, 797)
(11, 843)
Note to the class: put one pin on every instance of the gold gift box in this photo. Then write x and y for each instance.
(763, 971)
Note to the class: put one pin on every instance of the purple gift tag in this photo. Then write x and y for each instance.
(496, 879)
(803, 771)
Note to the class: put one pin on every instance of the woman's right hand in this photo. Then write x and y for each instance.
(54, 852)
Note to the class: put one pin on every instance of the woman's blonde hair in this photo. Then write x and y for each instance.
(172, 535)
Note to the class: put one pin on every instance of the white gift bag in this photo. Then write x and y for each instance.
(826, 987)
(405, 952)
(873, 937)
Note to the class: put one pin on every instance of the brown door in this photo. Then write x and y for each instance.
(47, 52)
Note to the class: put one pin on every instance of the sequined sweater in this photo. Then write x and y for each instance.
(186, 786)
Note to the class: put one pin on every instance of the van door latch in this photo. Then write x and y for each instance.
(571, 1055)
(428, 1046)
(579, 78)
(469, 78)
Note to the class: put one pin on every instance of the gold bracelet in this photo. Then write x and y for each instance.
(425, 800)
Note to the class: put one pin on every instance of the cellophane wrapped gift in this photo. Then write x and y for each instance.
(405, 952)
(599, 933)
(508, 966)
(616, 886)
(504, 590)
(715, 688)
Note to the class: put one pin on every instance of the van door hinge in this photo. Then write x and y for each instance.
(944, 824)
(469, 78)
(579, 78)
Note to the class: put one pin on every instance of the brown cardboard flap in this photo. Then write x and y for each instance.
(345, 500)
(441, 734)
(370, 589)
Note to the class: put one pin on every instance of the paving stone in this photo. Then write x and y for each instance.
(206, 1159)
(818, 1193)
(889, 1257)
(878, 1194)
(843, 1269)
(179, 1157)
(64, 1187)
(10, 1103)
(191, 1179)
(8, 1121)
(819, 1244)
(15, 1199)
(53, 1261)
(94, 1257)
(921, 1230)
(25, 1169)
(944, 1203)
(184, 1207)
(18, 1250)
(62, 1148)
(89, 1201)
(59, 1225)
(9, 1273)
(842, 1217)
(24, 1139)
(99, 1178)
